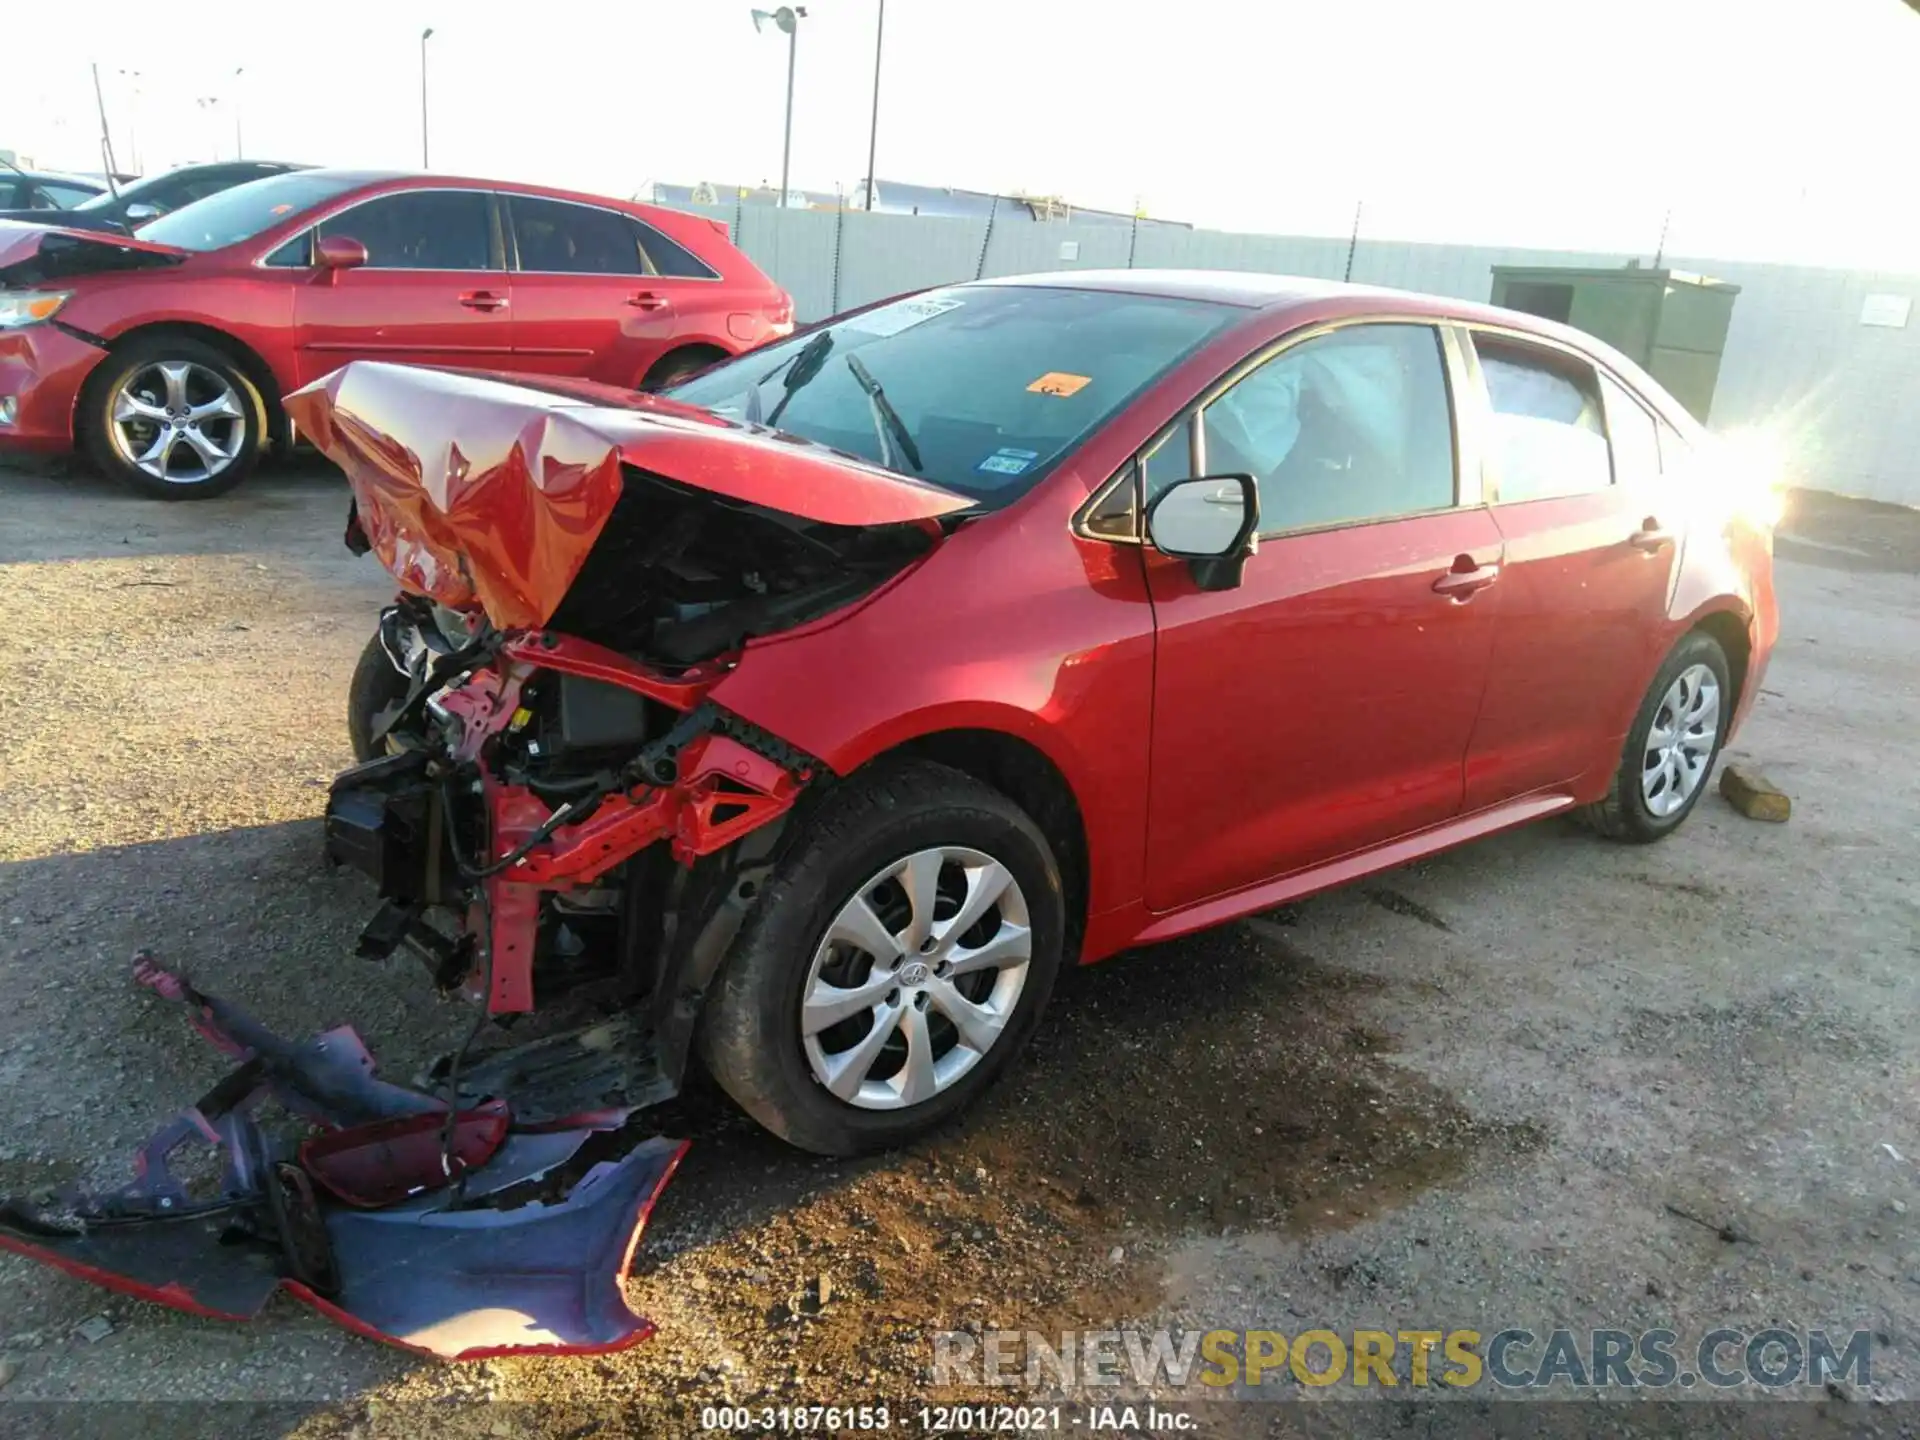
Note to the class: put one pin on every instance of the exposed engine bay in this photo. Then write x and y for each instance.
(679, 575)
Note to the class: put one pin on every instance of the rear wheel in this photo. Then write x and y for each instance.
(172, 418)
(895, 964)
(1671, 745)
(680, 365)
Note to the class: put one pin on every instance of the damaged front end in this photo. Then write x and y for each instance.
(564, 809)
(562, 812)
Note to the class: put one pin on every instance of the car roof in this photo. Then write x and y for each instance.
(1326, 299)
(56, 177)
(438, 179)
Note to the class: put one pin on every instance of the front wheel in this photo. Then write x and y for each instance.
(1671, 745)
(172, 418)
(375, 690)
(897, 961)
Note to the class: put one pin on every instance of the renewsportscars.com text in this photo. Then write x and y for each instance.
(1511, 1359)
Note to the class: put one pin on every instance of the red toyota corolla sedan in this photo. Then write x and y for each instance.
(822, 708)
(164, 357)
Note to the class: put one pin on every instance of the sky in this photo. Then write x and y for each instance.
(1766, 129)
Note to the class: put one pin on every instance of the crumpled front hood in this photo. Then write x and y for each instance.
(31, 253)
(487, 489)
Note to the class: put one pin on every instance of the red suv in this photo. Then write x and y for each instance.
(821, 708)
(164, 357)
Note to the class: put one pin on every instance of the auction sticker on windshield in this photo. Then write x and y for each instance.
(892, 319)
(1059, 382)
(1007, 461)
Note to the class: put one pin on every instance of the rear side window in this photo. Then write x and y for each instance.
(420, 230)
(1547, 437)
(557, 238)
(670, 257)
(1345, 428)
(1633, 435)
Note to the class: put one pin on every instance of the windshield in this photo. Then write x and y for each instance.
(980, 389)
(244, 211)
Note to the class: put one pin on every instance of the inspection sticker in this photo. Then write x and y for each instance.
(1007, 462)
(903, 315)
(1059, 382)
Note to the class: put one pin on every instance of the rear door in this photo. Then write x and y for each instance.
(1572, 467)
(1326, 704)
(591, 294)
(433, 290)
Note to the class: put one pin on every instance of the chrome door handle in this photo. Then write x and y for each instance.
(1650, 538)
(1464, 583)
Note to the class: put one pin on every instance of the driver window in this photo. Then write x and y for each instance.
(420, 230)
(1348, 427)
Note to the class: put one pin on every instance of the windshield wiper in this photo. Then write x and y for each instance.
(801, 366)
(886, 419)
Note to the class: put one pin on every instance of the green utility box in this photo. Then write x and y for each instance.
(1672, 323)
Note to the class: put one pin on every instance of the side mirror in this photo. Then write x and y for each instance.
(1210, 523)
(139, 213)
(334, 253)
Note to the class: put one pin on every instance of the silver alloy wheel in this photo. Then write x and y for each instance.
(1679, 744)
(917, 978)
(178, 421)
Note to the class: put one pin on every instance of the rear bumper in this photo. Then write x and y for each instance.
(42, 368)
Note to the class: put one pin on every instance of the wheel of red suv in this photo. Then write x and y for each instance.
(376, 687)
(671, 369)
(173, 418)
(1671, 746)
(895, 964)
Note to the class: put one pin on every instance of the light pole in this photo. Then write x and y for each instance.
(787, 18)
(211, 105)
(133, 124)
(425, 35)
(239, 144)
(873, 133)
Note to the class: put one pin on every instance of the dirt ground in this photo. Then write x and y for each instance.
(1470, 1093)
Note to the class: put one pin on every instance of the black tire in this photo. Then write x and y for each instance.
(244, 436)
(679, 365)
(376, 686)
(750, 1035)
(1624, 814)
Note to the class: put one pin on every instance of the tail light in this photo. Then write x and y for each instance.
(780, 315)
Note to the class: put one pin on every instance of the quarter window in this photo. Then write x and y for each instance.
(420, 230)
(557, 238)
(1170, 460)
(1547, 437)
(670, 257)
(1635, 440)
(1345, 428)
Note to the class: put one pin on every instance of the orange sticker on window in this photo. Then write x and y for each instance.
(1058, 382)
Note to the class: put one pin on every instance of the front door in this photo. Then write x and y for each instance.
(1326, 704)
(1590, 546)
(433, 290)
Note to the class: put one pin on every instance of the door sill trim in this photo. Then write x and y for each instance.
(1301, 883)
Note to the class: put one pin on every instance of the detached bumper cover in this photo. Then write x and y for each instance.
(491, 1235)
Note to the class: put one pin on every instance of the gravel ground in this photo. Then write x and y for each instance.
(1472, 1093)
